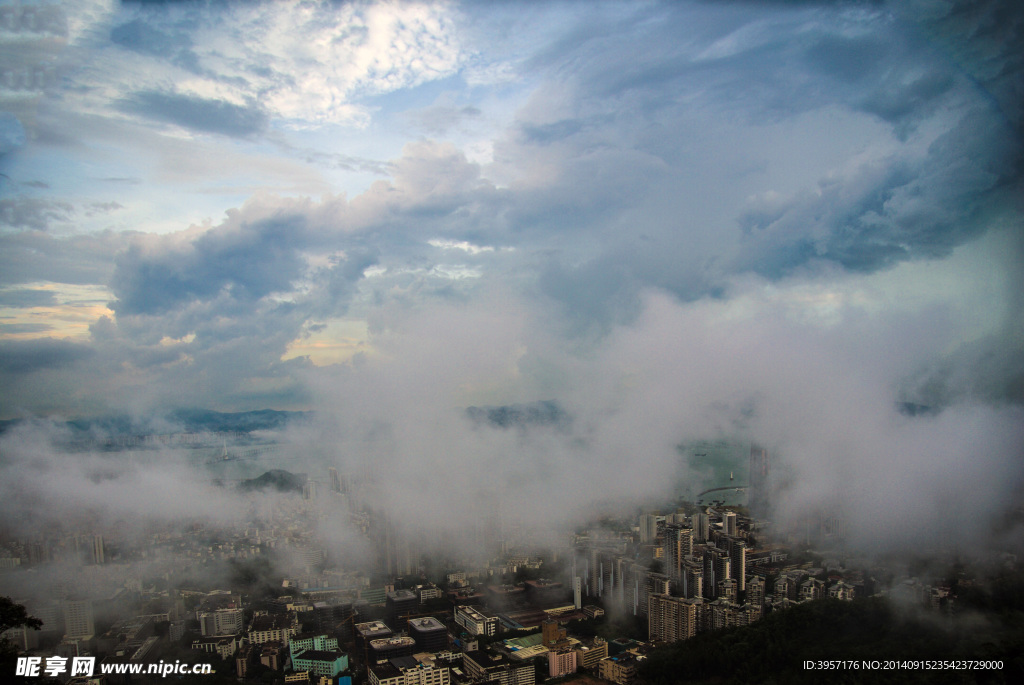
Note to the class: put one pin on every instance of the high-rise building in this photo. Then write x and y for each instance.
(78, 619)
(97, 549)
(678, 546)
(729, 525)
(561, 662)
(737, 550)
(722, 613)
(758, 485)
(672, 618)
(693, 580)
(649, 527)
(658, 584)
(755, 591)
(717, 566)
(701, 526)
(335, 480)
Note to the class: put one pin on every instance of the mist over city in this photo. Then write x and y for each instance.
(611, 326)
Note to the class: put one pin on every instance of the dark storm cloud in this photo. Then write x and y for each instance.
(213, 309)
(339, 280)
(985, 38)
(27, 356)
(249, 259)
(889, 213)
(27, 298)
(202, 114)
(692, 93)
(895, 99)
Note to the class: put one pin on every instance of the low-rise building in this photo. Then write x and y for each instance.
(485, 667)
(321, 663)
(409, 671)
(388, 648)
(223, 647)
(475, 621)
(621, 669)
(272, 655)
(245, 659)
(842, 591)
(323, 643)
(589, 654)
(275, 628)
(221, 622)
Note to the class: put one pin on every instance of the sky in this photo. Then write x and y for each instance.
(678, 220)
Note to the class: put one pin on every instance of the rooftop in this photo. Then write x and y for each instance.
(426, 623)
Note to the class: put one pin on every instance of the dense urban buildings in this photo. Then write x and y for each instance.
(505, 617)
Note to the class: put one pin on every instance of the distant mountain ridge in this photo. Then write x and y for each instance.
(180, 421)
(277, 479)
(543, 413)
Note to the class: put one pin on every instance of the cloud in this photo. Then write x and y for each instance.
(27, 297)
(34, 213)
(698, 220)
(43, 488)
(32, 256)
(251, 260)
(140, 36)
(437, 120)
(28, 356)
(904, 207)
(199, 114)
(304, 65)
(18, 328)
(821, 392)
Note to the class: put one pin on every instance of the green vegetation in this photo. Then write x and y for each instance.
(275, 479)
(774, 649)
(13, 615)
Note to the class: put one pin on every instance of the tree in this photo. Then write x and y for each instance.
(14, 615)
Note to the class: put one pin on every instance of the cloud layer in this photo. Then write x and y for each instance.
(678, 220)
